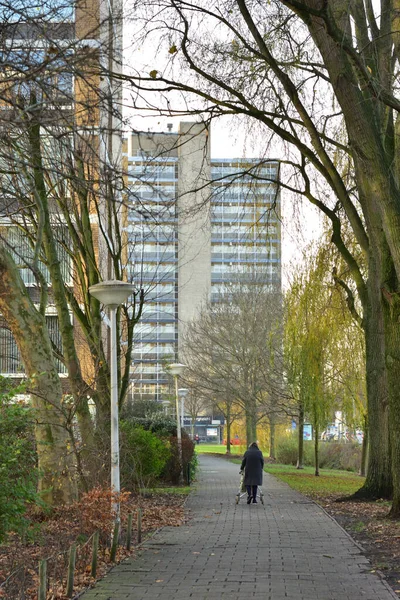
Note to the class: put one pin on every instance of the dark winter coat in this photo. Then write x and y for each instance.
(253, 463)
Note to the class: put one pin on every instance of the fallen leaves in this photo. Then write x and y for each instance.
(368, 524)
(52, 537)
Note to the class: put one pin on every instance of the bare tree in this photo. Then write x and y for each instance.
(229, 349)
(194, 406)
(63, 211)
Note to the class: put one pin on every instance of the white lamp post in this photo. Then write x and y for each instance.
(166, 404)
(183, 392)
(112, 294)
(176, 369)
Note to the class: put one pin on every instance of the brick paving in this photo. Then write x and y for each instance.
(288, 548)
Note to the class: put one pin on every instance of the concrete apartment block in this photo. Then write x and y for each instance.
(193, 224)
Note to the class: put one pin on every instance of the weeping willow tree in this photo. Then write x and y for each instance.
(324, 351)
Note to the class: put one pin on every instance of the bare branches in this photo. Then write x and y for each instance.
(232, 351)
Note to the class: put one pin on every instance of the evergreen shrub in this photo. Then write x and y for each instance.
(172, 469)
(159, 424)
(143, 456)
(18, 463)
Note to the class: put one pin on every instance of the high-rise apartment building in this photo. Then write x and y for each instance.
(194, 224)
(56, 59)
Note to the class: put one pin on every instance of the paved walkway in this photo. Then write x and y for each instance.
(288, 548)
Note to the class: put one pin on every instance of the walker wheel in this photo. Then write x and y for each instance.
(237, 499)
(262, 499)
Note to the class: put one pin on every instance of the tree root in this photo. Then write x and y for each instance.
(363, 495)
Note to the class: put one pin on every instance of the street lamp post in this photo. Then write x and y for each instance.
(176, 369)
(112, 294)
(166, 404)
(183, 392)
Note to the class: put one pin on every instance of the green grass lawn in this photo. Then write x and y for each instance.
(330, 482)
(182, 491)
(215, 448)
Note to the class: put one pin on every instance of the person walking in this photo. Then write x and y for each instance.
(252, 464)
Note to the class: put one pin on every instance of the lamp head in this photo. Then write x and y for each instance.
(176, 368)
(112, 293)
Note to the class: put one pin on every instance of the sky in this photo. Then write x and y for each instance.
(301, 223)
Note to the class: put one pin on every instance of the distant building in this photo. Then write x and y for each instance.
(194, 224)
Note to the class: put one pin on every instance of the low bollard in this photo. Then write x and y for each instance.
(95, 551)
(42, 593)
(71, 571)
(139, 525)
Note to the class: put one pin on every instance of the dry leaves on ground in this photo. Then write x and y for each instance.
(369, 525)
(51, 537)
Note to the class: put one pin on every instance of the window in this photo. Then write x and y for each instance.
(58, 11)
(20, 249)
(154, 349)
(29, 70)
(158, 311)
(10, 358)
(55, 336)
(156, 330)
(143, 368)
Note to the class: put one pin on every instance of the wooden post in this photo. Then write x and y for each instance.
(114, 544)
(129, 532)
(42, 593)
(71, 571)
(95, 551)
(139, 525)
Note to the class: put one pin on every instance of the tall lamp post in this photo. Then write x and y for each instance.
(176, 369)
(112, 294)
(183, 392)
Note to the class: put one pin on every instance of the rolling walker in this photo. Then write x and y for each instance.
(243, 492)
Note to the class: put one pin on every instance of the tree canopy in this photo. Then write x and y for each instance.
(322, 78)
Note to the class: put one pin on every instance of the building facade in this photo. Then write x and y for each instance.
(194, 225)
(51, 57)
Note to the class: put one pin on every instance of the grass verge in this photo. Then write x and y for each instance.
(180, 491)
(215, 449)
(330, 482)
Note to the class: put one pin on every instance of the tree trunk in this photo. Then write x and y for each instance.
(392, 319)
(228, 437)
(364, 449)
(251, 422)
(57, 476)
(379, 197)
(378, 483)
(316, 449)
(300, 457)
(79, 388)
(272, 438)
(228, 429)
